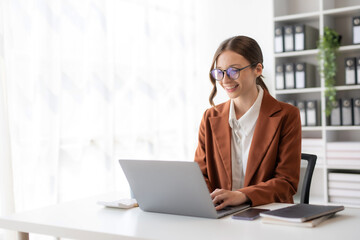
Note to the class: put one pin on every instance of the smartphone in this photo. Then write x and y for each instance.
(249, 214)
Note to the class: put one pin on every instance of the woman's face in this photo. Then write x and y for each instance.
(245, 84)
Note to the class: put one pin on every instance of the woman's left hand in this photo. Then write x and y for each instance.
(223, 198)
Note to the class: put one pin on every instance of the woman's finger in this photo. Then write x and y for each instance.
(221, 206)
(216, 192)
(218, 199)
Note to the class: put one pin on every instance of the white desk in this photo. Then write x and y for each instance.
(86, 220)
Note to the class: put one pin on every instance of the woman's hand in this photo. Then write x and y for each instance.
(223, 198)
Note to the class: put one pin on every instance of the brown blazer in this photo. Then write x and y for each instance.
(273, 168)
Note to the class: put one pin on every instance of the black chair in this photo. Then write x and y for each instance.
(305, 191)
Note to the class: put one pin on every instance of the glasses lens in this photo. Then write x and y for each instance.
(233, 73)
(217, 74)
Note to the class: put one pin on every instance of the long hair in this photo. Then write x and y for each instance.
(245, 46)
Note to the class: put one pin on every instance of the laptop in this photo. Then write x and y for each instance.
(172, 187)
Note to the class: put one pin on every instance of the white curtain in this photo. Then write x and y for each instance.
(84, 83)
(7, 204)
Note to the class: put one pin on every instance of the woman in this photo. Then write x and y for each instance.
(250, 146)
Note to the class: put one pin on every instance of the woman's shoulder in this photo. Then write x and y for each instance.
(218, 110)
(287, 106)
(275, 106)
(289, 112)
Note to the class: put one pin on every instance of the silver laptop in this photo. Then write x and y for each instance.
(173, 187)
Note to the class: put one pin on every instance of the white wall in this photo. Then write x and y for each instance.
(216, 21)
(219, 20)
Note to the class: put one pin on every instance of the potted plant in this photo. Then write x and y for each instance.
(328, 45)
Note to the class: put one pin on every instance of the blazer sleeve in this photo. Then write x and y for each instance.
(285, 176)
(200, 153)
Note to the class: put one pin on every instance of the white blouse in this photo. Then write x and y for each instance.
(242, 134)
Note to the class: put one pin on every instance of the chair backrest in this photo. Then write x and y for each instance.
(305, 191)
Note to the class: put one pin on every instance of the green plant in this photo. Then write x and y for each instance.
(328, 45)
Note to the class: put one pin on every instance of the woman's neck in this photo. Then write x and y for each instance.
(243, 103)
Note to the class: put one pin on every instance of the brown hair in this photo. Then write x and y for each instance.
(245, 46)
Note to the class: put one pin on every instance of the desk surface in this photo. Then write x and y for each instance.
(84, 219)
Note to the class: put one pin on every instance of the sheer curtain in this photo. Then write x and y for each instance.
(84, 83)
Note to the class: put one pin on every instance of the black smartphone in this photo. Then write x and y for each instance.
(249, 214)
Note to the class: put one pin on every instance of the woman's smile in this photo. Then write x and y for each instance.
(231, 88)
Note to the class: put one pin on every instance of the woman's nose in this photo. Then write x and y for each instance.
(226, 79)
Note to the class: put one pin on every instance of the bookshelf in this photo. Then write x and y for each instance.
(336, 14)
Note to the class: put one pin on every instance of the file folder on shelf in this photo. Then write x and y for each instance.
(347, 112)
(356, 111)
(279, 41)
(280, 77)
(305, 37)
(356, 30)
(350, 71)
(301, 106)
(289, 76)
(288, 38)
(304, 75)
(311, 113)
(358, 70)
(335, 117)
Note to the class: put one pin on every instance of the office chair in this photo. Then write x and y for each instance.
(305, 191)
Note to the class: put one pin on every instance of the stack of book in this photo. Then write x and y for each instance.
(313, 146)
(343, 153)
(344, 187)
(300, 215)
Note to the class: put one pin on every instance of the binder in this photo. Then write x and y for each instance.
(356, 30)
(280, 76)
(304, 75)
(335, 117)
(356, 107)
(358, 70)
(305, 37)
(311, 113)
(288, 38)
(289, 76)
(279, 40)
(350, 71)
(347, 112)
(301, 106)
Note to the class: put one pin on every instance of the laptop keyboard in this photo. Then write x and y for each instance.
(225, 209)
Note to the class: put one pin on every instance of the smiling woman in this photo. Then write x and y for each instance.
(249, 147)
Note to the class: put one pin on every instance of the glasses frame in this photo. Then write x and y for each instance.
(225, 72)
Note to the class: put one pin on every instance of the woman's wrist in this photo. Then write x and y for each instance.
(245, 197)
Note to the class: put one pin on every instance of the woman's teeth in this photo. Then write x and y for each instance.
(232, 87)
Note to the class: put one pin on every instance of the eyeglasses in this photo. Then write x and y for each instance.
(232, 72)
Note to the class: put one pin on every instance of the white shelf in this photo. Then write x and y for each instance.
(297, 53)
(298, 17)
(342, 128)
(348, 87)
(336, 14)
(297, 90)
(343, 167)
(310, 129)
(354, 10)
(349, 48)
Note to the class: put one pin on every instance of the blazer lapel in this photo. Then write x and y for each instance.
(265, 129)
(222, 132)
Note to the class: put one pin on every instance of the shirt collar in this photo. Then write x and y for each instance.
(247, 122)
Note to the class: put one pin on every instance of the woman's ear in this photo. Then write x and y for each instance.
(259, 68)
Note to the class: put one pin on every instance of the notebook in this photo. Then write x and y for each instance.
(172, 187)
(301, 212)
(307, 224)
